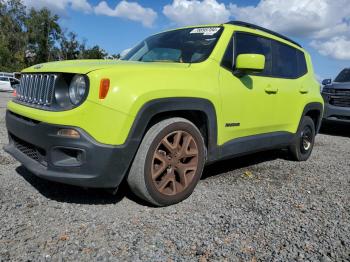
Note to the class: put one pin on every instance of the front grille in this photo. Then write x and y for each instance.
(36, 89)
(340, 101)
(342, 92)
(28, 149)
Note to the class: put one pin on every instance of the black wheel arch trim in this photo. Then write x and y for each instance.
(171, 105)
(314, 106)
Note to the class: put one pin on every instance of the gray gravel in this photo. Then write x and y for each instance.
(261, 207)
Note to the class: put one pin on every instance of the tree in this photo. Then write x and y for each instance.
(43, 32)
(93, 53)
(70, 46)
(35, 36)
(12, 36)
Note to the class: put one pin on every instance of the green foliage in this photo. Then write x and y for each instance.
(93, 53)
(12, 35)
(43, 31)
(30, 37)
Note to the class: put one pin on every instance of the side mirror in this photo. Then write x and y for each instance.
(327, 82)
(249, 63)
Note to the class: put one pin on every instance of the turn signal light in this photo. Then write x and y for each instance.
(104, 88)
(68, 133)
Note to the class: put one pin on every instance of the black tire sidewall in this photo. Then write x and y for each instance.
(162, 199)
(307, 122)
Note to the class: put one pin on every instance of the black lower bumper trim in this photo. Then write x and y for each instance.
(82, 162)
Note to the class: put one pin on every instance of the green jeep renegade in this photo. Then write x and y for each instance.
(177, 101)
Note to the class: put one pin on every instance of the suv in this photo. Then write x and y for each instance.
(177, 101)
(337, 97)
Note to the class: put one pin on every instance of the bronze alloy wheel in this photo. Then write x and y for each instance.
(174, 163)
(169, 162)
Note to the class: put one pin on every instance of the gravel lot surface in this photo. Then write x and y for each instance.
(255, 208)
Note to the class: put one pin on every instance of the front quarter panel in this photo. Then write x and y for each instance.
(132, 88)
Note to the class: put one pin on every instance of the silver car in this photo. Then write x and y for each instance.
(8, 84)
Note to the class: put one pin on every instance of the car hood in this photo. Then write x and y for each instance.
(337, 85)
(86, 66)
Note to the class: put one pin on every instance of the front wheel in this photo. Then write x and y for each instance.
(301, 148)
(169, 162)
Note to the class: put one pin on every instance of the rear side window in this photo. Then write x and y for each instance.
(281, 60)
(4, 79)
(252, 44)
(288, 62)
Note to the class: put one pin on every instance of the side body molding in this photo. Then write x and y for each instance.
(235, 147)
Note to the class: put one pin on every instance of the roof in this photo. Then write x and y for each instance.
(252, 26)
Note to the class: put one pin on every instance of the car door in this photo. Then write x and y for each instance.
(248, 102)
(289, 70)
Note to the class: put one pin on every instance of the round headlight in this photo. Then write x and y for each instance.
(77, 89)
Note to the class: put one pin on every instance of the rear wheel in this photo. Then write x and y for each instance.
(169, 162)
(301, 148)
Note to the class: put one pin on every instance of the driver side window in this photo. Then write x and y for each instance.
(247, 43)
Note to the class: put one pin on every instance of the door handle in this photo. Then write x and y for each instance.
(271, 90)
(303, 90)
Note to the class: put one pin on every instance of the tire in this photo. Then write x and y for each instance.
(169, 162)
(301, 148)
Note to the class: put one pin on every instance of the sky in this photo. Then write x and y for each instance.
(322, 27)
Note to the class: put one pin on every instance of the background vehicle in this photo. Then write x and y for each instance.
(337, 97)
(8, 83)
(177, 101)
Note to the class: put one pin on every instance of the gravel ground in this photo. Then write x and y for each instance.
(260, 207)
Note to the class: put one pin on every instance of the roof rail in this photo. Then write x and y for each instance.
(245, 24)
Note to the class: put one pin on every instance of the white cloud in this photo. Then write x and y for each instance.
(81, 5)
(336, 47)
(59, 6)
(189, 12)
(312, 18)
(326, 23)
(130, 10)
(124, 9)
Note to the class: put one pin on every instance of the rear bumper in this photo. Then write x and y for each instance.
(76, 161)
(335, 113)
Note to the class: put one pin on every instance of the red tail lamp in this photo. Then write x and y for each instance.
(14, 94)
(104, 88)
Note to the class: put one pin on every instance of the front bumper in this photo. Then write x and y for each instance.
(76, 161)
(336, 113)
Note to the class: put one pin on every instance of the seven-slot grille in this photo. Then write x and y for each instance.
(36, 89)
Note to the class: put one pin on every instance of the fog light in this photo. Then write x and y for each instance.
(68, 133)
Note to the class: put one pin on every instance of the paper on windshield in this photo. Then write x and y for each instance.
(205, 30)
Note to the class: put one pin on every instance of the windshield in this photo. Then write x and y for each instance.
(190, 45)
(344, 76)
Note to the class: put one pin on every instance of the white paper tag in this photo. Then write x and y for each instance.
(205, 30)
